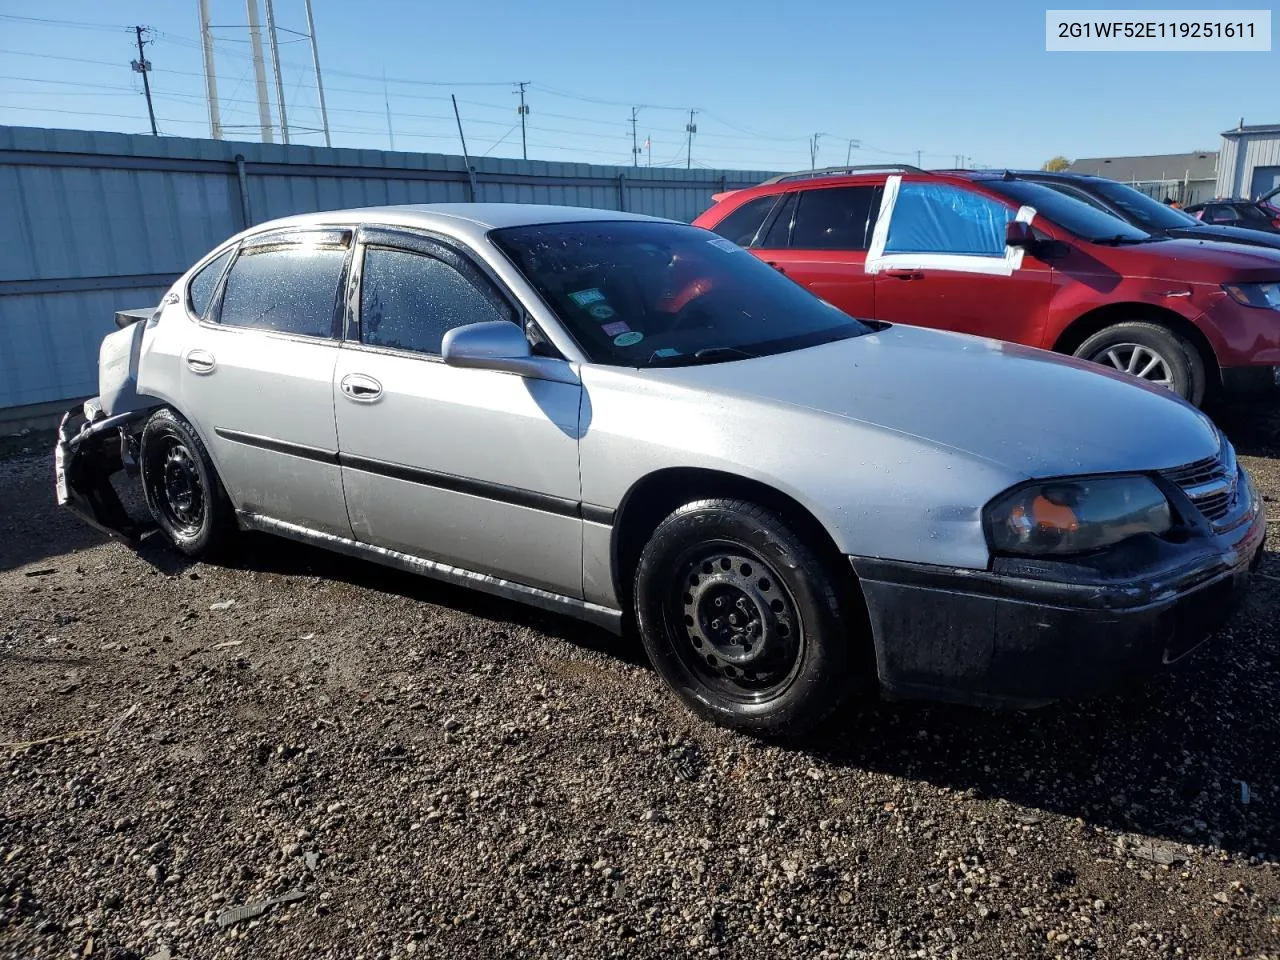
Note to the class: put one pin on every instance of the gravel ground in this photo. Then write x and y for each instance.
(421, 770)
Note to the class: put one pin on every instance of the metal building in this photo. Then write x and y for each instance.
(1250, 160)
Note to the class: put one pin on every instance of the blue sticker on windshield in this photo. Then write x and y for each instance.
(667, 352)
(585, 297)
(600, 311)
(628, 339)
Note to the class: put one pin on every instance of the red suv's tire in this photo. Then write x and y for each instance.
(1151, 351)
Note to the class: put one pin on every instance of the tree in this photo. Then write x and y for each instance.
(1056, 164)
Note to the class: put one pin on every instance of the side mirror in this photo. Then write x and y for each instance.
(1019, 234)
(501, 345)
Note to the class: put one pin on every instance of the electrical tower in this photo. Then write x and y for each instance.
(265, 123)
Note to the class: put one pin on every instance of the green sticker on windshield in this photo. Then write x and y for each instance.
(667, 352)
(629, 339)
(584, 297)
(600, 311)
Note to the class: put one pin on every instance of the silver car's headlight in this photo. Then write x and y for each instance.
(1071, 516)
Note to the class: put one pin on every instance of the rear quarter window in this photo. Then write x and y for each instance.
(742, 224)
(203, 285)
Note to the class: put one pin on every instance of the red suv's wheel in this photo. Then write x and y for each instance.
(1151, 352)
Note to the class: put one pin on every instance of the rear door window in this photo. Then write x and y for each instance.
(941, 218)
(288, 285)
(742, 224)
(410, 300)
(835, 218)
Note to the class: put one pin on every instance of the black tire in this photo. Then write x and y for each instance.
(787, 661)
(1114, 347)
(182, 489)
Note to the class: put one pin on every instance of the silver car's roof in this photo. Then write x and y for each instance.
(466, 218)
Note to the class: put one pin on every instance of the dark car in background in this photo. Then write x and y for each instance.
(1241, 214)
(1146, 213)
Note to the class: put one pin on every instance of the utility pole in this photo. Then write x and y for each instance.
(848, 154)
(386, 102)
(635, 148)
(918, 152)
(273, 39)
(143, 66)
(813, 151)
(524, 112)
(466, 158)
(690, 128)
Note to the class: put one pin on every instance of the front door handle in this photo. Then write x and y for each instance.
(776, 266)
(359, 387)
(200, 361)
(905, 274)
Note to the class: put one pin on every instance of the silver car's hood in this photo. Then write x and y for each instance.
(1032, 412)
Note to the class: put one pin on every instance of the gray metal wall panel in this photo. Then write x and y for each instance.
(94, 209)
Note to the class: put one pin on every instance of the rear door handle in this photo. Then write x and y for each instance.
(200, 361)
(776, 266)
(905, 274)
(359, 387)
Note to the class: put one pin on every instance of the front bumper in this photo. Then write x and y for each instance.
(982, 637)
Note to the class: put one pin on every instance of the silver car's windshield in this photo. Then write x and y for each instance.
(641, 293)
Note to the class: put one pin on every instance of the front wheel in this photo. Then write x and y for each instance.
(182, 489)
(1151, 352)
(743, 619)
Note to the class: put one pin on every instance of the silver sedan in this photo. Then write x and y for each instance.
(629, 419)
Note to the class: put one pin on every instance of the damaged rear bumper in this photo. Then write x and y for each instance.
(90, 450)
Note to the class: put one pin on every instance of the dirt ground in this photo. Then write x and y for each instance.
(421, 770)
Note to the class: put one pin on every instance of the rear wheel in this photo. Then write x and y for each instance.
(1150, 352)
(743, 619)
(182, 489)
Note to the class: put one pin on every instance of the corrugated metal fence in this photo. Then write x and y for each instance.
(95, 222)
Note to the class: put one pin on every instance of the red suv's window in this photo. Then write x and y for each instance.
(742, 224)
(835, 218)
(778, 235)
(940, 218)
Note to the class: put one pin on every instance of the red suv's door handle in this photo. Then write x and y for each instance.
(777, 266)
(905, 274)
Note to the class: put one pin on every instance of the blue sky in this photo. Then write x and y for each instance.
(944, 78)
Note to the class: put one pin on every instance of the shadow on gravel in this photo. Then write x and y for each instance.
(1190, 755)
(267, 554)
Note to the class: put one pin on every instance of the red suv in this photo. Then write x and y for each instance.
(992, 254)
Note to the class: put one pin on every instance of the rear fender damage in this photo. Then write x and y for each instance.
(91, 449)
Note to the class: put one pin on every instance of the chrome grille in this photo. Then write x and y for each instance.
(1194, 474)
(1211, 484)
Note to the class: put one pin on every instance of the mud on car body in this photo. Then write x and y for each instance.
(617, 417)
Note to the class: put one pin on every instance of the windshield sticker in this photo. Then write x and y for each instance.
(584, 298)
(629, 339)
(601, 311)
(667, 352)
(615, 328)
(720, 243)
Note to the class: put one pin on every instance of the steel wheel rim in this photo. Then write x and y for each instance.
(1138, 361)
(178, 490)
(734, 623)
